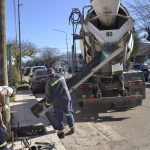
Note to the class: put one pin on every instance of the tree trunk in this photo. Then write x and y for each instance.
(3, 64)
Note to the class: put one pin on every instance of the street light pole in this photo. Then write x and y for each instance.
(66, 40)
(20, 55)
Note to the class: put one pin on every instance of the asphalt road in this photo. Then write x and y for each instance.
(101, 128)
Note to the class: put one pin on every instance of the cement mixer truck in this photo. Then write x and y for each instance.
(105, 31)
(106, 41)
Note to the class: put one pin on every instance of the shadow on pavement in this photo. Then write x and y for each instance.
(96, 114)
(91, 112)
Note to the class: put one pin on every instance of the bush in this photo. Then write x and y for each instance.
(12, 99)
(22, 86)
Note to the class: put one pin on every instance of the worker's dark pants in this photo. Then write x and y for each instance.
(58, 113)
(2, 138)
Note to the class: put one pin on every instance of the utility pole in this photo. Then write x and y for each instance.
(10, 71)
(3, 65)
(3, 53)
(20, 55)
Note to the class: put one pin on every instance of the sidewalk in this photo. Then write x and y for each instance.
(22, 117)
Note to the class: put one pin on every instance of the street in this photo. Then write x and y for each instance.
(101, 128)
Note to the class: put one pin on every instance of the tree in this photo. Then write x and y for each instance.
(28, 49)
(141, 12)
(48, 54)
(45, 56)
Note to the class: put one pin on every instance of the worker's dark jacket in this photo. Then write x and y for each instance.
(2, 136)
(57, 91)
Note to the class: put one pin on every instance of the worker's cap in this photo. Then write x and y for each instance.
(10, 90)
(50, 71)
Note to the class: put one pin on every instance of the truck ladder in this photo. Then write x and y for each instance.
(92, 67)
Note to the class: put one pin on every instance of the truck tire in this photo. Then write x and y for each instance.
(81, 103)
(139, 102)
(33, 89)
(146, 75)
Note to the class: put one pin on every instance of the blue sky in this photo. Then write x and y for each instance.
(39, 18)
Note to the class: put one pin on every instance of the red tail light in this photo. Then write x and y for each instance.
(85, 85)
(38, 78)
(136, 83)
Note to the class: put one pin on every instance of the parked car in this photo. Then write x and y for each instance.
(39, 80)
(33, 68)
(145, 68)
(26, 71)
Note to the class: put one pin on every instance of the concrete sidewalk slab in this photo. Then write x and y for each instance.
(22, 116)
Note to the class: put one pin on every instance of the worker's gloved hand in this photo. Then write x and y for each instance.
(5, 108)
(5, 128)
(47, 105)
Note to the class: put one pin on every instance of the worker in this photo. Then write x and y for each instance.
(61, 70)
(58, 94)
(5, 91)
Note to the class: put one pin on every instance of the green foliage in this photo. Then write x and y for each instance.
(12, 99)
(28, 49)
(22, 86)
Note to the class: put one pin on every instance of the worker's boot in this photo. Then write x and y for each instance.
(61, 135)
(72, 130)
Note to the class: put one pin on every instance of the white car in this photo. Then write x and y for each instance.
(26, 71)
(147, 62)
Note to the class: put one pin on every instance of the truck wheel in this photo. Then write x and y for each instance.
(112, 105)
(139, 102)
(81, 103)
(146, 75)
(33, 89)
